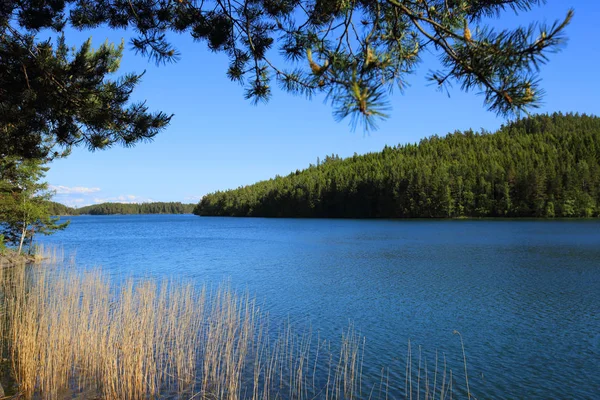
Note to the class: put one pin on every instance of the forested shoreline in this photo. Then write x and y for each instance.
(123, 208)
(543, 166)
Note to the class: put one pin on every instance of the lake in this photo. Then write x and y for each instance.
(524, 294)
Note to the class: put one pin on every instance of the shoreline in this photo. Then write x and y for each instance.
(9, 258)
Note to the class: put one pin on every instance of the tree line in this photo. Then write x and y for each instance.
(542, 166)
(123, 208)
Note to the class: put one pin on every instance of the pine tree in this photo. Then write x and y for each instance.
(53, 98)
(354, 52)
(24, 209)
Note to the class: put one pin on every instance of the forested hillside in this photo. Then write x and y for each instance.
(543, 166)
(60, 209)
(124, 208)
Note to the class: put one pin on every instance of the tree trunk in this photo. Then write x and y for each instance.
(23, 234)
(24, 228)
(30, 241)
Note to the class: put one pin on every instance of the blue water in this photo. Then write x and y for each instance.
(525, 295)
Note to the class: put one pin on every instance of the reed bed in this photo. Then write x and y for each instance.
(69, 332)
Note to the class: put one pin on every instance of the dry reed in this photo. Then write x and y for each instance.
(70, 332)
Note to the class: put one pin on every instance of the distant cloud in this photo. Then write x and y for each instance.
(80, 196)
(194, 199)
(127, 198)
(70, 202)
(59, 189)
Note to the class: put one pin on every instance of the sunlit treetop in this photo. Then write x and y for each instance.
(354, 52)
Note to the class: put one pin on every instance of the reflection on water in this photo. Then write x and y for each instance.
(524, 294)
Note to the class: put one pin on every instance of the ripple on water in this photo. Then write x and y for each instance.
(525, 295)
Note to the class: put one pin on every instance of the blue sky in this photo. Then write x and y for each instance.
(217, 140)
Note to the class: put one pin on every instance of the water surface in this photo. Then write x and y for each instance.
(524, 294)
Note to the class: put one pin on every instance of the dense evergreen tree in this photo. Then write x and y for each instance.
(24, 210)
(52, 98)
(543, 166)
(60, 209)
(124, 208)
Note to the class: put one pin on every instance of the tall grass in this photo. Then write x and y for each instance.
(70, 332)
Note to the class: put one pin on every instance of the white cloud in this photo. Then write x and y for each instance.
(72, 201)
(59, 189)
(193, 199)
(79, 196)
(127, 198)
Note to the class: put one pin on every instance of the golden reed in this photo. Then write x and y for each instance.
(71, 333)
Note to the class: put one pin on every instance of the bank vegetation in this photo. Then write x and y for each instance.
(69, 332)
